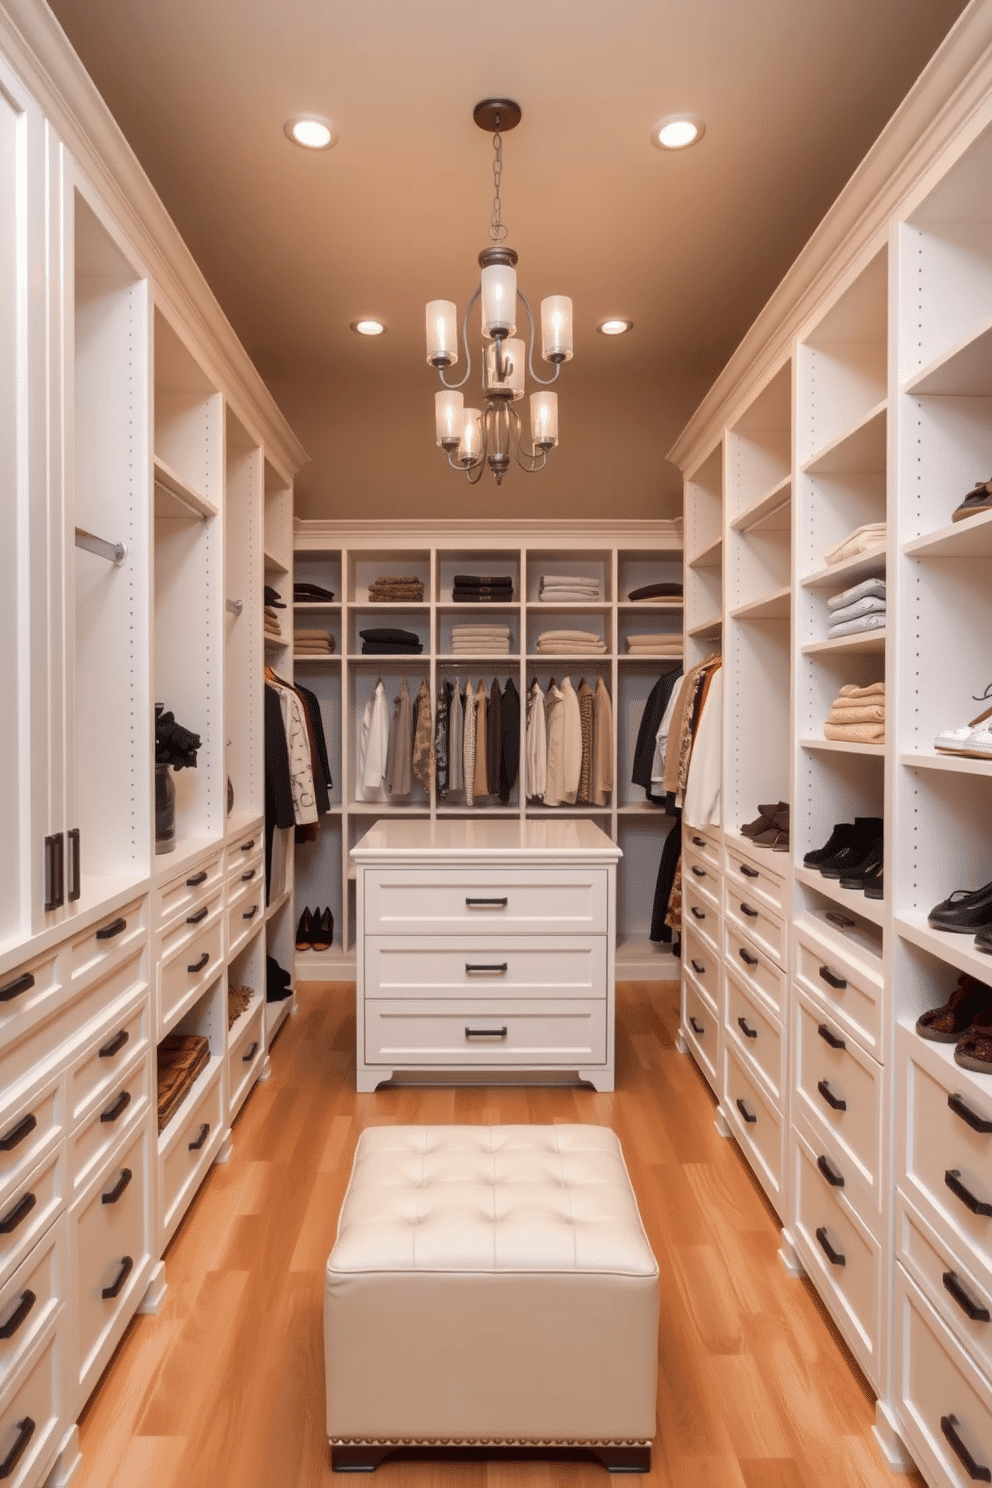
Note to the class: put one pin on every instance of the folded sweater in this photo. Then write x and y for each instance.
(867, 589)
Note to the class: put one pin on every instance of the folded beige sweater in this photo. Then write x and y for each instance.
(867, 713)
(872, 733)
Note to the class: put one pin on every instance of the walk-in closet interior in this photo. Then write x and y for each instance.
(646, 787)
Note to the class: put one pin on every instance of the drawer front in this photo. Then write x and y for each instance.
(248, 849)
(485, 1033)
(187, 974)
(957, 1291)
(747, 916)
(29, 1210)
(185, 894)
(29, 996)
(700, 1029)
(29, 1131)
(244, 918)
(842, 1256)
(704, 844)
(247, 877)
(111, 940)
(245, 1057)
(31, 1298)
(702, 963)
(503, 966)
(756, 1123)
(944, 1403)
(757, 1036)
(948, 1160)
(95, 1073)
(764, 980)
(700, 915)
(123, 1104)
(702, 875)
(191, 927)
(840, 1088)
(852, 996)
(190, 1150)
(32, 1415)
(755, 879)
(109, 1247)
(514, 901)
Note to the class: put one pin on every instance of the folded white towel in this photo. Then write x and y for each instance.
(868, 588)
(866, 606)
(852, 627)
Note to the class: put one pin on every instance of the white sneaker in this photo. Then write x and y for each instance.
(962, 740)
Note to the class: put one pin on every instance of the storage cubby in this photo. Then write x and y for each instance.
(945, 449)
(363, 568)
(944, 609)
(704, 506)
(579, 563)
(843, 369)
(391, 672)
(208, 1018)
(481, 614)
(243, 660)
(759, 447)
(324, 569)
(946, 842)
(757, 671)
(833, 787)
(493, 563)
(637, 568)
(247, 969)
(545, 618)
(635, 683)
(415, 620)
(831, 508)
(641, 840)
(319, 883)
(188, 423)
(280, 937)
(278, 531)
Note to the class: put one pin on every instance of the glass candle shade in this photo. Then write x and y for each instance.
(442, 333)
(470, 446)
(544, 420)
(556, 328)
(513, 356)
(448, 417)
(499, 300)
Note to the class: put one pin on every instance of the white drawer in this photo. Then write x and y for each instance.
(32, 1413)
(957, 1292)
(244, 918)
(28, 998)
(115, 938)
(248, 849)
(700, 1029)
(703, 964)
(96, 1070)
(705, 844)
(31, 1298)
(190, 1143)
(124, 1102)
(852, 994)
(504, 966)
(183, 895)
(756, 1122)
(485, 1032)
(842, 1257)
(763, 978)
(190, 927)
(757, 1036)
(245, 1056)
(29, 1210)
(700, 915)
(516, 900)
(29, 1130)
(755, 878)
(109, 1251)
(702, 875)
(190, 970)
(944, 1402)
(247, 877)
(948, 1141)
(839, 1088)
(746, 915)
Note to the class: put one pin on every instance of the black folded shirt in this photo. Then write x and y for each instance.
(483, 581)
(387, 633)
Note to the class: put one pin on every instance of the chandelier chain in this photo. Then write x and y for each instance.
(497, 231)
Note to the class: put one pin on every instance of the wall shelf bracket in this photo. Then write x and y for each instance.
(115, 553)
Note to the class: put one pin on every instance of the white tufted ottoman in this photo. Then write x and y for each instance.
(490, 1286)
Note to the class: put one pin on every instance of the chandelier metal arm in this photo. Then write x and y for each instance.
(529, 460)
(468, 354)
(544, 381)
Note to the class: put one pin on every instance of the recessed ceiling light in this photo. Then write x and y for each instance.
(614, 326)
(368, 327)
(310, 131)
(677, 132)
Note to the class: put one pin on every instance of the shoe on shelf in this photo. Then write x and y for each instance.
(972, 740)
(874, 887)
(765, 819)
(839, 837)
(945, 1025)
(278, 982)
(855, 875)
(964, 912)
(848, 858)
(304, 932)
(983, 940)
(776, 835)
(976, 502)
(974, 1048)
(323, 929)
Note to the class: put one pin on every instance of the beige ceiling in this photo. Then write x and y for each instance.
(296, 245)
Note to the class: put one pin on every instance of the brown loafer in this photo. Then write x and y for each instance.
(970, 1000)
(974, 1050)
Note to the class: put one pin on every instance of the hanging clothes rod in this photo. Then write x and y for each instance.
(114, 552)
(234, 606)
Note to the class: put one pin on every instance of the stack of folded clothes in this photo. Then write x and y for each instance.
(480, 640)
(862, 607)
(662, 643)
(569, 642)
(271, 623)
(304, 593)
(313, 643)
(770, 827)
(569, 589)
(965, 1020)
(662, 593)
(482, 589)
(853, 854)
(386, 642)
(238, 999)
(857, 714)
(181, 1057)
(406, 589)
(861, 540)
(274, 598)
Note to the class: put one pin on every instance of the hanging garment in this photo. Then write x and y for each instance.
(555, 776)
(307, 831)
(456, 741)
(441, 739)
(702, 805)
(399, 751)
(373, 745)
(481, 737)
(587, 709)
(537, 743)
(661, 740)
(671, 855)
(603, 760)
(685, 757)
(654, 711)
(423, 758)
(298, 746)
(680, 735)
(509, 754)
(468, 745)
(317, 722)
(572, 746)
(494, 740)
(278, 782)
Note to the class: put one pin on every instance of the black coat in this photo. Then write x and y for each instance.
(654, 712)
(509, 757)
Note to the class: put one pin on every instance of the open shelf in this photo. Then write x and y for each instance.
(273, 564)
(865, 747)
(958, 764)
(861, 448)
(710, 557)
(841, 576)
(969, 538)
(175, 497)
(708, 630)
(964, 370)
(774, 606)
(956, 950)
(773, 512)
(865, 641)
(851, 899)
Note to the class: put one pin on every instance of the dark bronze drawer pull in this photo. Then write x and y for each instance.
(116, 1111)
(247, 846)
(833, 1256)
(15, 988)
(749, 1116)
(977, 1471)
(953, 1285)
(485, 1032)
(697, 1028)
(747, 1031)
(835, 1179)
(197, 879)
(977, 1206)
(116, 1044)
(16, 1216)
(250, 914)
(698, 914)
(829, 1037)
(18, 1317)
(25, 1431)
(747, 958)
(699, 842)
(746, 909)
(968, 1116)
(247, 877)
(18, 1133)
(699, 872)
(204, 1133)
(108, 932)
(499, 967)
(486, 903)
(109, 1293)
(828, 1095)
(697, 967)
(201, 914)
(118, 1188)
(199, 965)
(247, 1058)
(749, 872)
(832, 979)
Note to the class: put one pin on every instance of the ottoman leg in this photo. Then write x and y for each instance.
(624, 1459)
(357, 1459)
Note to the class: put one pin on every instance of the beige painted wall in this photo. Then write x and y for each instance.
(372, 451)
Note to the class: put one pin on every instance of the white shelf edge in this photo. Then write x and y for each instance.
(273, 564)
(198, 505)
(913, 386)
(709, 557)
(771, 503)
(841, 746)
(969, 538)
(861, 565)
(866, 641)
(954, 764)
(768, 607)
(957, 950)
(815, 463)
(851, 899)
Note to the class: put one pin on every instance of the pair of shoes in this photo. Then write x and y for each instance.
(315, 932)
(853, 854)
(776, 834)
(765, 819)
(973, 741)
(977, 501)
(278, 983)
(965, 1020)
(966, 912)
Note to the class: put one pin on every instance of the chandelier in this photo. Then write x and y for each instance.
(475, 437)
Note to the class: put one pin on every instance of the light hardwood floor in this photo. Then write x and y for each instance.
(225, 1387)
